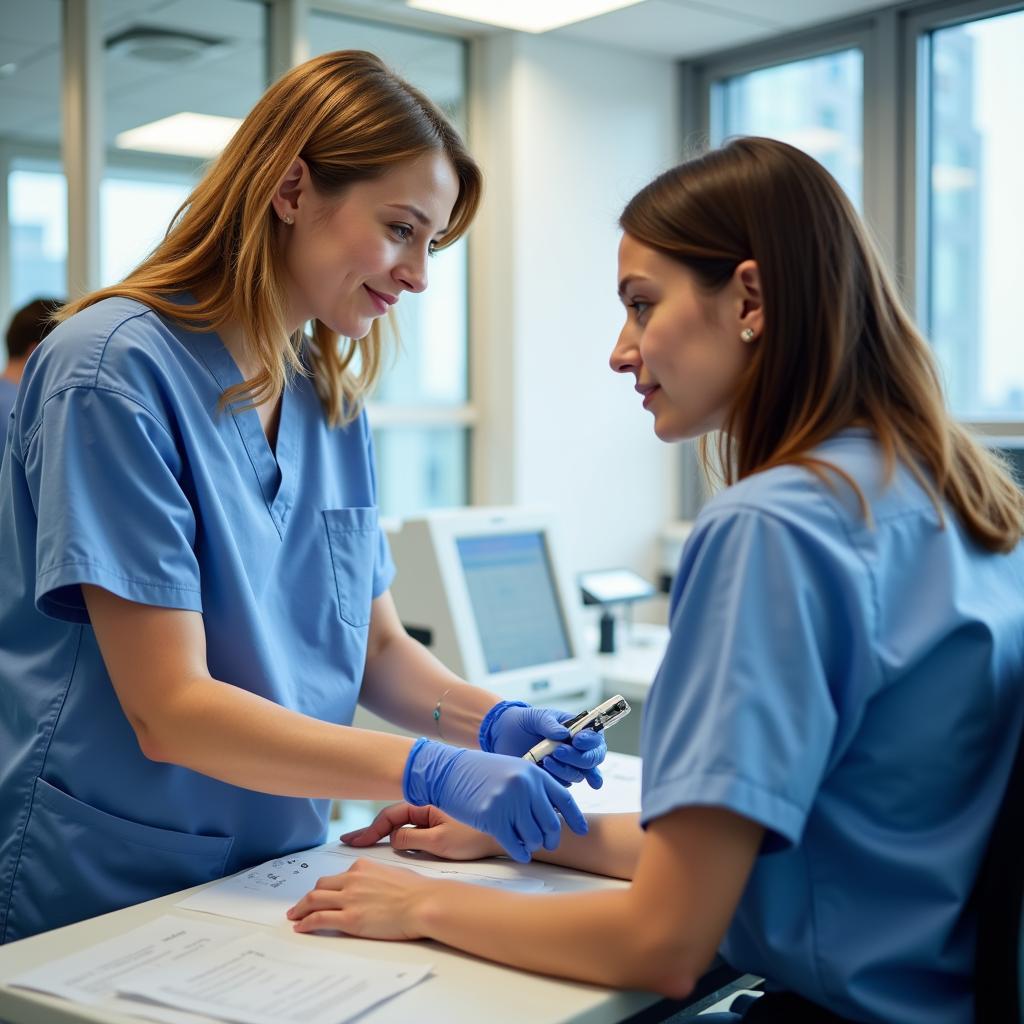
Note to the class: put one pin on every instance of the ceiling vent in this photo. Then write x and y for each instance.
(162, 45)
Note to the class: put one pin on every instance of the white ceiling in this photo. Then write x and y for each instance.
(229, 81)
(226, 82)
(670, 28)
(689, 28)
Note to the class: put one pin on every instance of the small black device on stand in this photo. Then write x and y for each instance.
(610, 587)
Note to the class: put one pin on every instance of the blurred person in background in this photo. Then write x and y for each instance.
(27, 328)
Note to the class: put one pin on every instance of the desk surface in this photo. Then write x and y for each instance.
(461, 988)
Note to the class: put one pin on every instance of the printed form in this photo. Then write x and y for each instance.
(262, 979)
(223, 972)
(264, 893)
(92, 976)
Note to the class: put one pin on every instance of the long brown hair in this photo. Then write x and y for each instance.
(350, 118)
(837, 348)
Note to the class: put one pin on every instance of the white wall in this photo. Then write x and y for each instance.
(566, 133)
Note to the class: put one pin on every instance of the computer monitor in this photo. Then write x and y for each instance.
(485, 590)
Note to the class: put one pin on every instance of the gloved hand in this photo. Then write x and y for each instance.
(511, 799)
(512, 727)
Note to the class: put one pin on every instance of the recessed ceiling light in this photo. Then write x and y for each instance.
(184, 134)
(524, 15)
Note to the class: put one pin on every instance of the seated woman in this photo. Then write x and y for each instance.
(828, 738)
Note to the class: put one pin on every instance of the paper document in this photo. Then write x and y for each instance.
(92, 975)
(173, 968)
(620, 792)
(264, 893)
(498, 873)
(495, 874)
(261, 979)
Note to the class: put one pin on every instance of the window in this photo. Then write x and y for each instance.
(913, 108)
(135, 209)
(33, 191)
(420, 412)
(420, 467)
(38, 241)
(211, 59)
(814, 104)
(973, 209)
(178, 58)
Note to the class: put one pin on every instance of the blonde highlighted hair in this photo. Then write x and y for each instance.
(838, 348)
(350, 118)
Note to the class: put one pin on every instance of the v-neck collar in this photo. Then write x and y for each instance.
(274, 467)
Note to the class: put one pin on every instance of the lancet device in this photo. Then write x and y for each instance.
(600, 718)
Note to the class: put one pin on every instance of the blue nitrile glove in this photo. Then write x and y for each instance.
(512, 727)
(507, 797)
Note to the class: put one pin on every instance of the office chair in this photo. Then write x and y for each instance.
(999, 895)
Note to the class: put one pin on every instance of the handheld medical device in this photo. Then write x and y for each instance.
(604, 716)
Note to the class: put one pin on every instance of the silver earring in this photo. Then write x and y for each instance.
(747, 334)
(288, 220)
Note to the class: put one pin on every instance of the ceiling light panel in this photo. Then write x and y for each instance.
(184, 134)
(524, 15)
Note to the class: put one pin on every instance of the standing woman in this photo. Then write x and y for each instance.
(828, 739)
(193, 582)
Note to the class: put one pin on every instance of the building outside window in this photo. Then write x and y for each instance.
(973, 209)
(814, 104)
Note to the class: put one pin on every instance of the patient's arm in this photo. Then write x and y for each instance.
(660, 932)
(611, 846)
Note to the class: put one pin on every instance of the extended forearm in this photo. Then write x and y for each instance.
(570, 935)
(241, 738)
(403, 682)
(610, 847)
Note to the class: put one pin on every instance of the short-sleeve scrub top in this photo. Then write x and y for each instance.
(124, 471)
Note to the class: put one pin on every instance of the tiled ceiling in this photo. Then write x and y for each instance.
(228, 80)
(689, 28)
(670, 28)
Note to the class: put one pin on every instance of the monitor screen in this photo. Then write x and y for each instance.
(513, 596)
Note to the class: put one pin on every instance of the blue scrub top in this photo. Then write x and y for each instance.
(858, 690)
(123, 472)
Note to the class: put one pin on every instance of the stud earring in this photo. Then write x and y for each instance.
(288, 220)
(747, 334)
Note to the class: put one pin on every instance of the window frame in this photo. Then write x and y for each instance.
(894, 42)
(384, 415)
(858, 33)
(11, 151)
(917, 24)
(120, 162)
(83, 161)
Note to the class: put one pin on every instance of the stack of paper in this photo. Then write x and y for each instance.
(173, 969)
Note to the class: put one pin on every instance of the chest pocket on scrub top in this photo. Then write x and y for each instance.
(352, 540)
